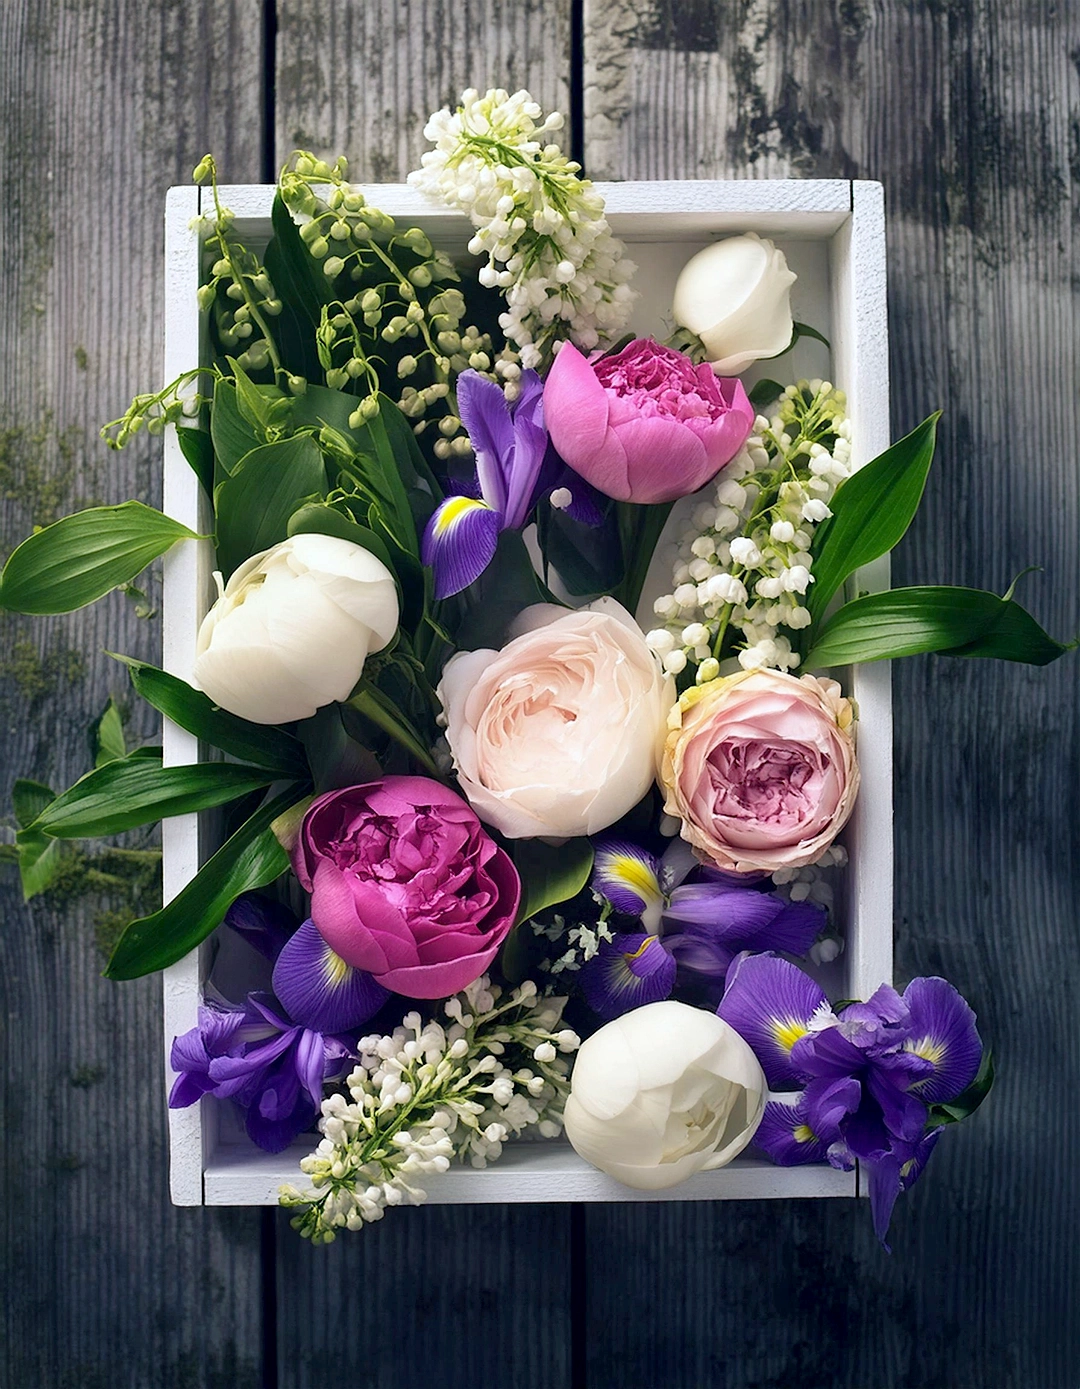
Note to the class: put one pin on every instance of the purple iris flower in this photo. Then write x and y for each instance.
(254, 1054)
(700, 927)
(868, 1074)
(272, 1055)
(514, 466)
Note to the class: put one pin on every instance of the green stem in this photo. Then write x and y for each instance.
(374, 705)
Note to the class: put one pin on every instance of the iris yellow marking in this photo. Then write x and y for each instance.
(787, 1031)
(335, 969)
(637, 954)
(803, 1134)
(453, 510)
(928, 1048)
(637, 876)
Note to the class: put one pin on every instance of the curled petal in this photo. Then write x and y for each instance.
(770, 1003)
(319, 990)
(629, 877)
(897, 1171)
(459, 543)
(625, 973)
(943, 1032)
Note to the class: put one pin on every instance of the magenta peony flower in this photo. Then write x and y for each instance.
(406, 884)
(644, 425)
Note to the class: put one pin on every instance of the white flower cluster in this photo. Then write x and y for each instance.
(743, 564)
(541, 226)
(812, 884)
(582, 940)
(430, 1092)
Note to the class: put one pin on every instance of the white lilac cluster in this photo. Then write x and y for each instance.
(582, 939)
(743, 566)
(540, 225)
(430, 1092)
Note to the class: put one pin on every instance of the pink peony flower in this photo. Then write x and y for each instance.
(406, 884)
(644, 425)
(760, 767)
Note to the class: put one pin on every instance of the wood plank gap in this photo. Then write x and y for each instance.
(268, 1290)
(579, 1293)
(576, 114)
(268, 152)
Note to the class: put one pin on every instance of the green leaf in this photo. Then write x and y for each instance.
(40, 860)
(109, 742)
(336, 759)
(262, 744)
(268, 484)
(139, 791)
(550, 875)
(953, 621)
(232, 435)
(956, 1111)
(250, 859)
(28, 800)
(640, 528)
(262, 406)
(80, 558)
(588, 559)
(763, 392)
(870, 513)
(803, 330)
(198, 448)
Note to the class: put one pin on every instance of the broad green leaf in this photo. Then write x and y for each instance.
(640, 528)
(250, 859)
(109, 742)
(588, 559)
(336, 759)
(198, 448)
(550, 875)
(139, 791)
(232, 435)
(763, 392)
(80, 558)
(28, 800)
(40, 860)
(268, 484)
(482, 614)
(420, 482)
(262, 744)
(870, 513)
(954, 621)
(263, 406)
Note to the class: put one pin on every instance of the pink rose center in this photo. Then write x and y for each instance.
(423, 866)
(660, 381)
(775, 784)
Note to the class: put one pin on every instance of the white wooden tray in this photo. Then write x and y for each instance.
(833, 234)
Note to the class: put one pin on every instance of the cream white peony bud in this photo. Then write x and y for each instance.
(736, 296)
(293, 627)
(661, 1093)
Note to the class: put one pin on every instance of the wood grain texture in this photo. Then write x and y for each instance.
(460, 1293)
(968, 113)
(105, 1285)
(361, 77)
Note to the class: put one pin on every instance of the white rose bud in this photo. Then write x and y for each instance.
(293, 627)
(736, 296)
(661, 1093)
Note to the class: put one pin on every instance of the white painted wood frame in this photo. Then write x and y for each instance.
(834, 236)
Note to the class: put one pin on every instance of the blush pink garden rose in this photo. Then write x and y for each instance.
(760, 767)
(406, 884)
(557, 734)
(644, 424)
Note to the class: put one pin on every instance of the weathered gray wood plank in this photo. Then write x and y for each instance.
(104, 105)
(967, 112)
(449, 1293)
(361, 77)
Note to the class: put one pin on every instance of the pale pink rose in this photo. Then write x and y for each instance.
(760, 767)
(557, 734)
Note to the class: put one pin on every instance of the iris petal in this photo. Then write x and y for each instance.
(897, 1171)
(770, 1003)
(943, 1032)
(484, 412)
(626, 972)
(629, 877)
(263, 923)
(785, 1136)
(319, 990)
(459, 543)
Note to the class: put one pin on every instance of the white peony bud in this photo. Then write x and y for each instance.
(736, 296)
(293, 627)
(661, 1093)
